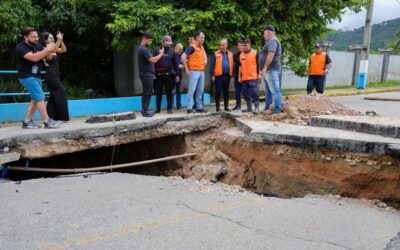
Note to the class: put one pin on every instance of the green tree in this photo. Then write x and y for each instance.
(299, 23)
(395, 44)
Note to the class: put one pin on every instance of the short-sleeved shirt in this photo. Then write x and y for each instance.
(24, 66)
(167, 62)
(146, 68)
(273, 45)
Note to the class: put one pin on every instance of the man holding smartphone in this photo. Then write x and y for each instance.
(30, 53)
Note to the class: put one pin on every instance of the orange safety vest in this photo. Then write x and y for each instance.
(248, 62)
(317, 64)
(218, 63)
(197, 60)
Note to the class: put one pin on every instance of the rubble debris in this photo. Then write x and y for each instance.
(300, 110)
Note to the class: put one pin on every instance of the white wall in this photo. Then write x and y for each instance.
(394, 68)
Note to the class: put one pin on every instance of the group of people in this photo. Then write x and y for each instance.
(163, 68)
(161, 71)
(34, 54)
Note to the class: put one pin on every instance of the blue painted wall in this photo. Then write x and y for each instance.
(14, 112)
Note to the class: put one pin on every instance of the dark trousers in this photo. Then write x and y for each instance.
(147, 86)
(57, 106)
(167, 82)
(250, 90)
(317, 82)
(238, 92)
(178, 93)
(222, 86)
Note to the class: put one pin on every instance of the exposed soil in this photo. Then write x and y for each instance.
(300, 110)
(286, 171)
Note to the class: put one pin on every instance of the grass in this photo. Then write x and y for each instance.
(369, 85)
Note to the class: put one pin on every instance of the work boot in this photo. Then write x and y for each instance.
(256, 107)
(237, 108)
(217, 108)
(249, 108)
(145, 109)
(201, 111)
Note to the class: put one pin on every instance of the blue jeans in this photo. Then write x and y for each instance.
(238, 92)
(272, 90)
(196, 84)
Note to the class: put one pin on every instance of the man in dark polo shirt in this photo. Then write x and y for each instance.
(166, 71)
(30, 54)
(146, 63)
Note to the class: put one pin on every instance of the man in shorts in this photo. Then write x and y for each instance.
(29, 59)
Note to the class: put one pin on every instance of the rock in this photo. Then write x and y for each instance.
(210, 172)
(292, 111)
(112, 117)
(328, 158)
(370, 163)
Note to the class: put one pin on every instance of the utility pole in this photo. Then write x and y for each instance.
(363, 73)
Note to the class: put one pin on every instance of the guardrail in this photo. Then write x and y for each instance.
(17, 93)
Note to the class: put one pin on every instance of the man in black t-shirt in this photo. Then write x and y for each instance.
(29, 56)
(146, 63)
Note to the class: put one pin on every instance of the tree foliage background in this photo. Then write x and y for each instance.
(94, 27)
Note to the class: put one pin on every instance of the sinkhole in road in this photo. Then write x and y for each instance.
(223, 154)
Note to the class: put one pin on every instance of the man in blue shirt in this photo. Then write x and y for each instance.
(221, 71)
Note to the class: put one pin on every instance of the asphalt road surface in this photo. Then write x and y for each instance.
(384, 108)
(125, 211)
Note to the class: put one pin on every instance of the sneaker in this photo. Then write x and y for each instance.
(201, 111)
(227, 109)
(30, 125)
(51, 123)
(147, 114)
(170, 111)
(190, 111)
(237, 108)
(158, 111)
(179, 107)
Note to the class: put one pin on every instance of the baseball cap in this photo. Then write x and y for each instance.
(319, 45)
(167, 40)
(269, 27)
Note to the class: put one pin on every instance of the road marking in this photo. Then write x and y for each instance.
(135, 228)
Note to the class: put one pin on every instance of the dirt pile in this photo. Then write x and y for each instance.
(299, 111)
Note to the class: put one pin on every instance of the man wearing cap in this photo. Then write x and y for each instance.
(195, 60)
(146, 63)
(166, 71)
(319, 66)
(238, 85)
(221, 71)
(270, 69)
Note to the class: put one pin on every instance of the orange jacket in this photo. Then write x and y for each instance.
(317, 64)
(218, 63)
(197, 60)
(249, 67)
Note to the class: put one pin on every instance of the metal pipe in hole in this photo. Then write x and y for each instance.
(82, 170)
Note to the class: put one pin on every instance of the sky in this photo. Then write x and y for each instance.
(383, 10)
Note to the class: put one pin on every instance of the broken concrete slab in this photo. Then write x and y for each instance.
(78, 136)
(112, 117)
(385, 126)
(316, 137)
(9, 157)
